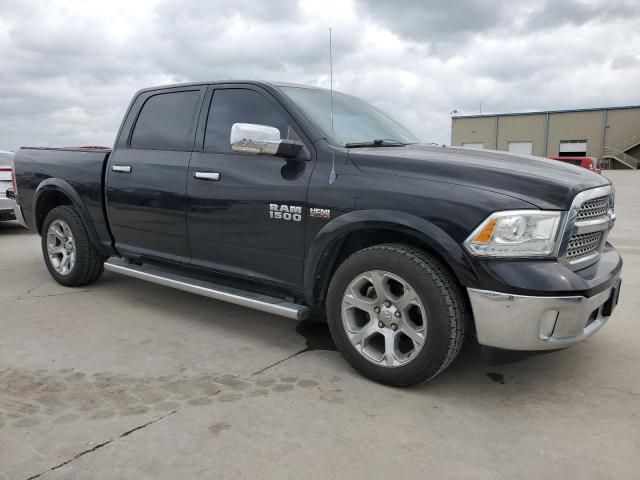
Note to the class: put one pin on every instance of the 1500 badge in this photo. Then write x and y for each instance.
(285, 212)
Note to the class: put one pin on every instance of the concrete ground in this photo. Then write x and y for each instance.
(128, 380)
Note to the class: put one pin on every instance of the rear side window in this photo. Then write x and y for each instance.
(230, 106)
(167, 121)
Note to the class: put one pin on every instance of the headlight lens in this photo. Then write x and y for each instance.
(612, 208)
(516, 233)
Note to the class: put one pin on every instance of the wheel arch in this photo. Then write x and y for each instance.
(364, 228)
(55, 192)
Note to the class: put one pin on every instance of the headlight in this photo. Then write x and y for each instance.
(516, 233)
(612, 207)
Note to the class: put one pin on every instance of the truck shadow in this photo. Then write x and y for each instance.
(13, 228)
(318, 337)
(473, 368)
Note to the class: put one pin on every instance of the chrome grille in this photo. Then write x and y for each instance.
(587, 227)
(583, 244)
(594, 208)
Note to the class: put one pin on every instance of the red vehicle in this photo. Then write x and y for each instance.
(590, 163)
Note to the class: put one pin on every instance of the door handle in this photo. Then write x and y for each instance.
(215, 176)
(121, 168)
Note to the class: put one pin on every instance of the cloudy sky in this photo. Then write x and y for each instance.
(68, 68)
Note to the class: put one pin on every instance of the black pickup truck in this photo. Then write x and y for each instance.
(260, 194)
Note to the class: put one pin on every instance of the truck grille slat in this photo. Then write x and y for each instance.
(584, 244)
(594, 208)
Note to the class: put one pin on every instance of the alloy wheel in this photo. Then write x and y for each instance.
(384, 318)
(61, 247)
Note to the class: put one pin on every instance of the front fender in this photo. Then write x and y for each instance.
(424, 232)
(55, 184)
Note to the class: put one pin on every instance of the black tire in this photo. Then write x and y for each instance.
(89, 263)
(440, 294)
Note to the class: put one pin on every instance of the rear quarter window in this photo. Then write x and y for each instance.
(167, 121)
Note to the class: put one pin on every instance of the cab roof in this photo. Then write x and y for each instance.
(263, 83)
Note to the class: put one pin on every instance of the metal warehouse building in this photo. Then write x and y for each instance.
(611, 134)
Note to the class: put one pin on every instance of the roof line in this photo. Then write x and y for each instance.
(227, 82)
(542, 112)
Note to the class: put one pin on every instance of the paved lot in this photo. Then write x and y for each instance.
(127, 380)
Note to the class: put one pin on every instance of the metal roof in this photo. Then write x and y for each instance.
(543, 112)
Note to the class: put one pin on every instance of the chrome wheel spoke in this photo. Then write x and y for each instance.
(409, 297)
(53, 250)
(66, 258)
(364, 333)
(389, 349)
(378, 280)
(356, 301)
(57, 231)
(416, 336)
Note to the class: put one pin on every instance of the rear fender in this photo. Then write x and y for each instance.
(57, 185)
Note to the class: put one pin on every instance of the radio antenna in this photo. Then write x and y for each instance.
(332, 175)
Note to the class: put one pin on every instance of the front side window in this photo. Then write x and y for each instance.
(167, 121)
(229, 106)
(354, 120)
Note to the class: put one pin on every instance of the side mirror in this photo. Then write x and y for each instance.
(257, 139)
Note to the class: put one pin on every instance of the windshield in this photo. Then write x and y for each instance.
(354, 120)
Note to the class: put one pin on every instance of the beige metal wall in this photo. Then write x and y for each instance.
(474, 130)
(623, 125)
(576, 126)
(522, 128)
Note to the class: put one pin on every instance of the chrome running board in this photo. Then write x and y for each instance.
(264, 303)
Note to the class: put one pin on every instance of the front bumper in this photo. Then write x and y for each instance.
(520, 322)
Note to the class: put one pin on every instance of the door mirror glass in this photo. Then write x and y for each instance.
(255, 139)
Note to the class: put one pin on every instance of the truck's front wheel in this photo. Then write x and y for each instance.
(396, 314)
(71, 258)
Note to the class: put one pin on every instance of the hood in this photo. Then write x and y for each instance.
(547, 184)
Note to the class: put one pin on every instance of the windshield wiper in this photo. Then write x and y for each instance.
(378, 142)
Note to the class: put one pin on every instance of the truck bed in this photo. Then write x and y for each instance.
(80, 168)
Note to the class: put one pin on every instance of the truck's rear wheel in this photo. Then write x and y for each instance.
(71, 258)
(396, 314)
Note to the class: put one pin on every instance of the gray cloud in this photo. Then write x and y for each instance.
(69, 68)
(552, 14)
(435, 21)
(441, 23)
(625, 61)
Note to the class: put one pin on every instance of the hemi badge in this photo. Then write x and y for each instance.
(320, 212)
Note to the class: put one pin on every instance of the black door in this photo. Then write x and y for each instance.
(147, 176)
(232, 221)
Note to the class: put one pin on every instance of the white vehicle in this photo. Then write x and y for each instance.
(6, 183)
